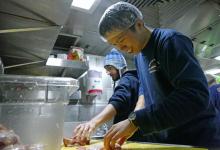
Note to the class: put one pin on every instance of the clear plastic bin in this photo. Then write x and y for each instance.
(25, 147)
(34, 107)
(36, 89)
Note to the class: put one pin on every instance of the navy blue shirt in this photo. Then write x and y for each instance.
(176, 93)
(125, 98)
(214, 91)
(125, 95)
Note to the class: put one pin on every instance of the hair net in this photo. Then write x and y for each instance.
(116, 59)
(118, 16)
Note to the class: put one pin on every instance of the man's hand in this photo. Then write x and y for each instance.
(7, 137)
(2, 127)
(118, 134)
(83, 131)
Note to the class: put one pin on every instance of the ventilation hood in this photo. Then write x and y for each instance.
(28, 31)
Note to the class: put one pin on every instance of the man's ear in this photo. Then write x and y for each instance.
(139, 25)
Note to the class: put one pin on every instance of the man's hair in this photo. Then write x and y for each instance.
(119, 16)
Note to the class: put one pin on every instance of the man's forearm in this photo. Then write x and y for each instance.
(140, 103)
(107, 114)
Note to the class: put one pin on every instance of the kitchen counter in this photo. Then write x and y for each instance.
(97, 144)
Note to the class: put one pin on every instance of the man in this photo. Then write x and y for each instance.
(122, 102)
(172, 82)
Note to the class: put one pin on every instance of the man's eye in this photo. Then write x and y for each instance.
(120, 40)
(108, 68)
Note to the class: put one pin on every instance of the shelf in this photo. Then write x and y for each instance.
(70, 68)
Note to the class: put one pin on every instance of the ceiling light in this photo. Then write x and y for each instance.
(212, 71)
(84, 4)
(204, 48)
(217, 58)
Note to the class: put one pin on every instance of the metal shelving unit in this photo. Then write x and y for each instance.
(67, 68)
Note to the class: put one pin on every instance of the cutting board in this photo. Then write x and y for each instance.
(97, 144)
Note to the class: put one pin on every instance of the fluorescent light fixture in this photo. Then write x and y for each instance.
(84, 4)
(204, 48)
(54, 62)
(212, 71)
(217, 58)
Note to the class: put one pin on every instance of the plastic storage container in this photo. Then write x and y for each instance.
(34, 107)
(25, 147)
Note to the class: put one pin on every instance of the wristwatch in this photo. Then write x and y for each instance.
(132, 118)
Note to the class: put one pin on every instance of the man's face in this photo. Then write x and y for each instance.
(113, 72)
(124, 41)
(129, 41)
